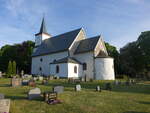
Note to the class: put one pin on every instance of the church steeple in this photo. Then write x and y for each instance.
(43, 27)
(42, 35)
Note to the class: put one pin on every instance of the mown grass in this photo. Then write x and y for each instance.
(122, 99)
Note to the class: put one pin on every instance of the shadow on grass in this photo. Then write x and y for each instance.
(132, 89)
(5, 85)
(143, 102)
(134, 112)
(23, 98)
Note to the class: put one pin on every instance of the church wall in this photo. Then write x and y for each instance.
(104, 68)
(63, 70)
(45, 63)
(89, 60)
(71, 73)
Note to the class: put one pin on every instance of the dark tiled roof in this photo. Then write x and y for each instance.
(102, 54)
(57, 43)
(87, 45)
(66, 60)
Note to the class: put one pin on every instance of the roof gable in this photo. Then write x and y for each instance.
(57, 43)
(87, 45)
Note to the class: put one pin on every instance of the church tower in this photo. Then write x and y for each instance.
(42, 35)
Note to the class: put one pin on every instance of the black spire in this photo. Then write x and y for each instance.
(43, 27)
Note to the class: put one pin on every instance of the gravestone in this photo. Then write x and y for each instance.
(25, 82)
(40, 78)
(98, 88)
(83, 79)
(45, 82)
(34, 93)
(2, 96)
(108, 86)
(78, 87)
(116, 82)
(32, 83)
(16, 82)
(35, 78)
(4, 105)
(58, 89)
(50, 96)
(51, 77)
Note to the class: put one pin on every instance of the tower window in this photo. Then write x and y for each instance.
(57, 69)
(41, 59)
(84, 66)
(75, 69)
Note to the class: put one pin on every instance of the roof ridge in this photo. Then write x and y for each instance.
(66, 32)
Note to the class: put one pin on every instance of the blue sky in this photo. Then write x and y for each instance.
(118, 21)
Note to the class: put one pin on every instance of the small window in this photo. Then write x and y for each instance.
(75, 69)
(57, 69)
(84, 66)
(41, 59)
(40, 69)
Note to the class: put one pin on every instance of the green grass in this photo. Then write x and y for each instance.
(122, 99)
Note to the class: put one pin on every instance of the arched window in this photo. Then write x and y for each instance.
(57, 69)
(41, 59)
(75, 69)
(40, 69)
(84, 66)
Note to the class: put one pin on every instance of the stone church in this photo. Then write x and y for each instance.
(71, 55)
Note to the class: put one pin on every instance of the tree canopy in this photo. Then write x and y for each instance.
(20, 53)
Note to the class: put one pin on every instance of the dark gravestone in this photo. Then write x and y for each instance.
(50, 96)
(108, 86)
(16, 82)
(98, 88)
(34, 93)
(25, 82)
(78, 87)
(58, 89)
(2, 96)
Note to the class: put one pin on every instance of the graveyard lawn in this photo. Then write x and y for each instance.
(122, 99)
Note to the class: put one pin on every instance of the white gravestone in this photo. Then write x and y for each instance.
(78, 87)
(34, 93)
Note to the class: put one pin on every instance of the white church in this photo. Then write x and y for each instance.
(71, 55)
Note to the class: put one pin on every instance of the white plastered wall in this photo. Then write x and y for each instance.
(87, 58)
(47, 59)
(63, 69)
(104, 68)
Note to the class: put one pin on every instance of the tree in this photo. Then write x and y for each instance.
(20, 53)
(14, 68)
(9, 69)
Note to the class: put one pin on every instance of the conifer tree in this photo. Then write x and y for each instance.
(14, 68)
(9, 69)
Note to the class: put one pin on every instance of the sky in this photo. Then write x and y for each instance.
(118, 21)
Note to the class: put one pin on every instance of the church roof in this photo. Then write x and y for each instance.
(57, 43)
(87, 45)
(66, 60)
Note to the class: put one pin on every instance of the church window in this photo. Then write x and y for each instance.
(75, 69)
(84, 66)
(57, 69)
(41, 59)
(40, 69)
